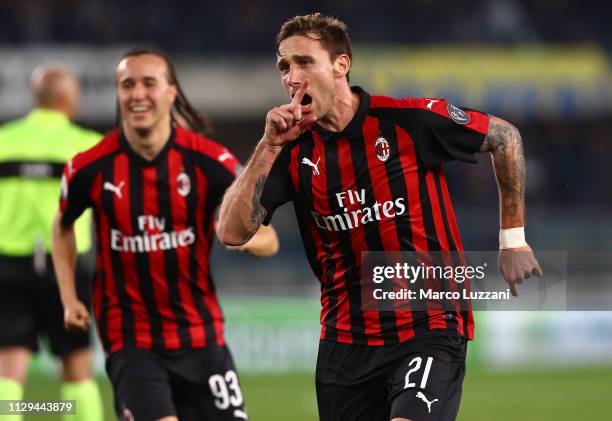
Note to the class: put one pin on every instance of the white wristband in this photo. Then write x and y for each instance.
(512, 238)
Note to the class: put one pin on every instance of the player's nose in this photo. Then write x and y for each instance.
(295, 77)
(138, 92)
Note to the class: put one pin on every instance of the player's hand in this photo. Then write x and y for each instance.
(263, 244)
(236, 248)
(76, 316)
(287, 122)
(518, 264)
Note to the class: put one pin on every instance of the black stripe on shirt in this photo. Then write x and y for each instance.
(108, 206)
(164, 210)
(373, 239)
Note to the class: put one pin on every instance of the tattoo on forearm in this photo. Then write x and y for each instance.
(504, 142)
(258, 213)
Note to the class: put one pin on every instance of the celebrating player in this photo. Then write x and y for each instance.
(154, 188)
(364, 174)
(33, 151)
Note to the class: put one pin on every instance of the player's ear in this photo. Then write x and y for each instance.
(172, 91)
(342, 65)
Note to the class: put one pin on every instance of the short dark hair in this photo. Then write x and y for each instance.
(182, 106)
(332, 32)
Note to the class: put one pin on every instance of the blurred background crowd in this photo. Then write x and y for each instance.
(248, 26)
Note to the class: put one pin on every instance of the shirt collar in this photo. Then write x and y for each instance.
(139, 159)
(47, 116)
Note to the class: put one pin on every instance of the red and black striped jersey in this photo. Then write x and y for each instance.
(155, 225)
(376, 186)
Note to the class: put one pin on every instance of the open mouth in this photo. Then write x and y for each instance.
(137, 109)
(307, 100)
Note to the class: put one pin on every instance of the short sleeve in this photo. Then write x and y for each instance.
(229, 168)
(277, 188)
(451, 133)
(74, 194)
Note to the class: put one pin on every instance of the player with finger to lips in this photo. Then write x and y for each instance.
(365, 174)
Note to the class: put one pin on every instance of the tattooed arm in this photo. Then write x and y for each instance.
(504, 143)
(241, 212)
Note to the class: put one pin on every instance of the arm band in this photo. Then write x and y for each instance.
(512, 238)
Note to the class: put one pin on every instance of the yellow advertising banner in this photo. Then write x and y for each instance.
(526, 80)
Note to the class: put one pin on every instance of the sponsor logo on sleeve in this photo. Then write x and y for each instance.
(457, 114)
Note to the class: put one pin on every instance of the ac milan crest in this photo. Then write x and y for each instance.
(382, 149)
(184, 184)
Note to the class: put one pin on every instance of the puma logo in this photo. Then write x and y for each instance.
(115, 189)
(315, 166)
(432, 102)
(422, 397)
(224, 156)
(240, 414)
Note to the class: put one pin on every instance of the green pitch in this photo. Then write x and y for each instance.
(542, 395)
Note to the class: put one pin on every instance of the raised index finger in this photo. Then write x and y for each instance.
(299, 95)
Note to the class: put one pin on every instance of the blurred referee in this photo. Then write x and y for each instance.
(33, 152)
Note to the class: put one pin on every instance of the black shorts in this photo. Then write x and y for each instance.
(30, 306)
(419, 379)
(194, 385)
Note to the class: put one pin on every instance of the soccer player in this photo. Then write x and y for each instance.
(154, 188)
(33, 151)
(364, 174)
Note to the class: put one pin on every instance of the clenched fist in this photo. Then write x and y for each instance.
(287, 122)
(76, 316)
(518, 264)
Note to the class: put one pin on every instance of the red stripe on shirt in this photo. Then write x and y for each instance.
(437, 322)
(294, 168)
(122, 206)
(348, 182)
(410, 169)
(157, 263)
(98, 291)
(183, 254)
(452, 220)
(321, 206)
(114, 320)
(382, 194)
(202, 253)
(478, 121)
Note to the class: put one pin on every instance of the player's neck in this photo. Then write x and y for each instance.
(148, 143)
(344, 108)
